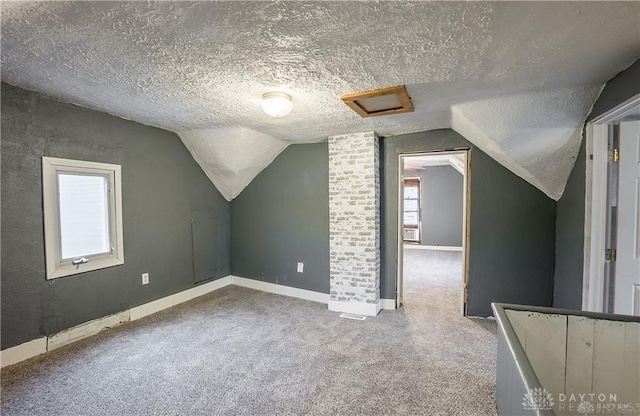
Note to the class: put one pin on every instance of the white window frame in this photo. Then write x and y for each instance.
(56, 266)
(418, 226)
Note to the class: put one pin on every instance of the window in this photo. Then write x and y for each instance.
(82, 216)
(411, 203)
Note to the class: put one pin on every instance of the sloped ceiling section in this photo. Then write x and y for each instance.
(226, 155)
(535, 135)
(515, 78)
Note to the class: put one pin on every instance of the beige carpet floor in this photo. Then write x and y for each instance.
(241, 352)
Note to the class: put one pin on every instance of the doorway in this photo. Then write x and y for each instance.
(432, 222)
(612, 236)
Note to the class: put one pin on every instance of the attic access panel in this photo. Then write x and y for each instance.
(380, 102)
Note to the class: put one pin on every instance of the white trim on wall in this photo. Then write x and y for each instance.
(361, 308)
(441, 248)
(85, 330)
(595, 216)
(39, 346)
(177, 298)
(280, 289)
(23, 351)
(357, 308)
(386, 304)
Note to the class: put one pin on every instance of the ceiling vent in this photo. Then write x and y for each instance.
(380, 102)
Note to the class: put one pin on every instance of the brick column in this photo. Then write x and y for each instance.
(354, 218)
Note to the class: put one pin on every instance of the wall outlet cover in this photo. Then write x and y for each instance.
(300, 267)
(145, 278)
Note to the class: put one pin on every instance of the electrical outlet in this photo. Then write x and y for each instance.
(300, 267)
(145, 278)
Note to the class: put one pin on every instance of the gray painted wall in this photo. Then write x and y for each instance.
(441, 189)
(570, 211)
(511, 227)
(282, 217)
(162, 185)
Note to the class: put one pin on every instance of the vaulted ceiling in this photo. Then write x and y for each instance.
(515, 78)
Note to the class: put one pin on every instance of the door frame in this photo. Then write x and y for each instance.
(595, 218)
(466, 216)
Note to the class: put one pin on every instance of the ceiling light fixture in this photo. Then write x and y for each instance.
(277, 104)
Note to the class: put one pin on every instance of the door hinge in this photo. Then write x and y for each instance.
(610, 254)
(614, 155)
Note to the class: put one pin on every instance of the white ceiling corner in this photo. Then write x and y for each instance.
(534, 134)
(455, 160)
(515, 78)
(227, 155)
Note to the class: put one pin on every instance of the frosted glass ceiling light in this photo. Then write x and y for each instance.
(277, 104)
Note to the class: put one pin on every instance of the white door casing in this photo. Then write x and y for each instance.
(627, 281)
(595, 224)
(400, 264)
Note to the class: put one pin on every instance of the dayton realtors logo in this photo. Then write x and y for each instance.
(537, 399)
(583, 403)
(592, 403)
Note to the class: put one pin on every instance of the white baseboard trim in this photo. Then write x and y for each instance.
(357, 308)
(441, 248)
(387, 304)
(23, 352)
(280, 289)
(180, 297)
(85, 330)
(39, 346)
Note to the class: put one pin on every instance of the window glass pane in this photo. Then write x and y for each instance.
(410, 204)
(411, 192)
(84, 215)
(410, 218)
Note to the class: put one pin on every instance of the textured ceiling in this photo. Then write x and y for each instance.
(418, 163)
(515, 78)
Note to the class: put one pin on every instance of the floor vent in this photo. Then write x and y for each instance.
(352, 316)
